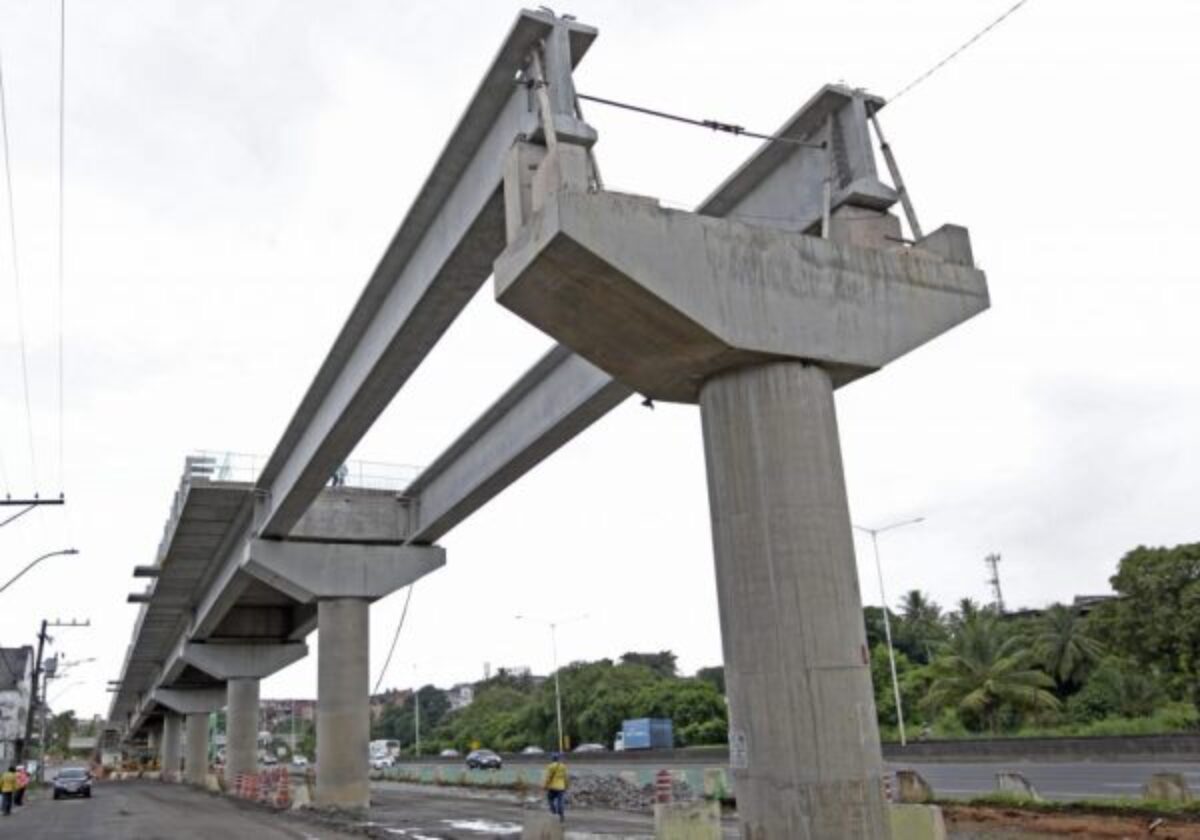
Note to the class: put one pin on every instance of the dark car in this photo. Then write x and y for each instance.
(485, 759)
(73, 781)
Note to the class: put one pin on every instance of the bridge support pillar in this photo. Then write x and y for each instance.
(241, 727)
(169, 752)
(343, 713)
(804, 745)
(195, 762)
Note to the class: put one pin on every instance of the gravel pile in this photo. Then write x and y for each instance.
(607, 791)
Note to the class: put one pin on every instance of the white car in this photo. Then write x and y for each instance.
(299, 761)
(449, 754)
(532, 750)
(382, 762)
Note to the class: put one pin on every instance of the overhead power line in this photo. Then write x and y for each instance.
(62, 110)
(958, 51)
(12, 230)
(712, 125)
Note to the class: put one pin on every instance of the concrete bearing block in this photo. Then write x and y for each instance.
(916, 822)
(687, 821)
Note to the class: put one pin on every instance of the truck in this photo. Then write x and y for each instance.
(645, 734)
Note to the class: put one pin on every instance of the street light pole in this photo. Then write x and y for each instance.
(557, 687)
(19, 574)
(887, 623)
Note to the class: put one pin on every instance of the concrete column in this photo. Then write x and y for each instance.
(804, 745)
(196, 762)
(343, 713)
(241, 728)
(169, 754)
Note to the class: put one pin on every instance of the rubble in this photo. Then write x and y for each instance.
(611, 791)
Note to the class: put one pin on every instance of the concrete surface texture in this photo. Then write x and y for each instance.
(687, 821)
(170, 750)
(241, 728)
(916, 822)
(1167, 787)
(195, 765)
(911, 788)
(1008, 781)
(343, 713)
(804, 745)
(538, 826)
(672, 298)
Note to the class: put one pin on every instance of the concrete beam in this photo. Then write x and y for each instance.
(674, 298)
(190, 701)
(227, 661)
(438, 259)
(308, 571)
(554, 401)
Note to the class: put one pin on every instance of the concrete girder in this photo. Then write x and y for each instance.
(439, 258)
(227, 661)
(309, 571)
(672, 298)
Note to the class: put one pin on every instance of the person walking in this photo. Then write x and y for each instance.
(22, 783)
(8, 785)
(555, 783)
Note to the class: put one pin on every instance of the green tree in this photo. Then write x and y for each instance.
(662, 663)
(920, 627)
(981, 672)
(714, 676)
(1064, 647)
(1156, 619)
(1116, 688)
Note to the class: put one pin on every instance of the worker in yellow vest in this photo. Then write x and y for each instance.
(555, 783)
(8, 786)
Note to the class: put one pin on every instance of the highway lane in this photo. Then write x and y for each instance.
(957, 779)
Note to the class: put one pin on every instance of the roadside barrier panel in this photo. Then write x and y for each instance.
(716, 783)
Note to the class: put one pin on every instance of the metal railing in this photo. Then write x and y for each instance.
(245, 468)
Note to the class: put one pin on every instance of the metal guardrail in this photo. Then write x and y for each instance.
(245, 468)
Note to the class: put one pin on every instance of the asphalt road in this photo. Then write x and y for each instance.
(1064, 780)
(152, 811)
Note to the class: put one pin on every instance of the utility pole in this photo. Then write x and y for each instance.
(34, 701)
(993, 562)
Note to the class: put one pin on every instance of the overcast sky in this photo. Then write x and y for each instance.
(235, 169)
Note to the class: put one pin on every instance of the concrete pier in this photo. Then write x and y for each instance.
(195, 763)
(169, 753)
(343, 713)
(804, 746)
(241, 728)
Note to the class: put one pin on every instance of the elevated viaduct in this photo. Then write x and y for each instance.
(790, 280)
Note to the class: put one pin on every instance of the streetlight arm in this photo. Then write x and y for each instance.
(21, 573)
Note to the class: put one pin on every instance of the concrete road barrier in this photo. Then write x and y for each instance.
(911, 788)
(1167, 787)
(687, 821)
(916, 822)
(1009, 782)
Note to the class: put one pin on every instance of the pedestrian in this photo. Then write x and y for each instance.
(22, 783)
(8, 784)
(555, 783)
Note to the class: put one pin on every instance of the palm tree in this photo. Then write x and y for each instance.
(921, 628)
(1063, 645)
(981, 670)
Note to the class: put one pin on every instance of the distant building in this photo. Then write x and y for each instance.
(460, 696)
(16, 685)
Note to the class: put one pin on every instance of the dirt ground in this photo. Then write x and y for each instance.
(967, 822)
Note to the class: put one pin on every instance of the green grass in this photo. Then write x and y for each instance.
(1108, 806)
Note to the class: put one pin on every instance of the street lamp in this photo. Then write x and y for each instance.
(554, 650)
(19, 574)
(887, 624)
